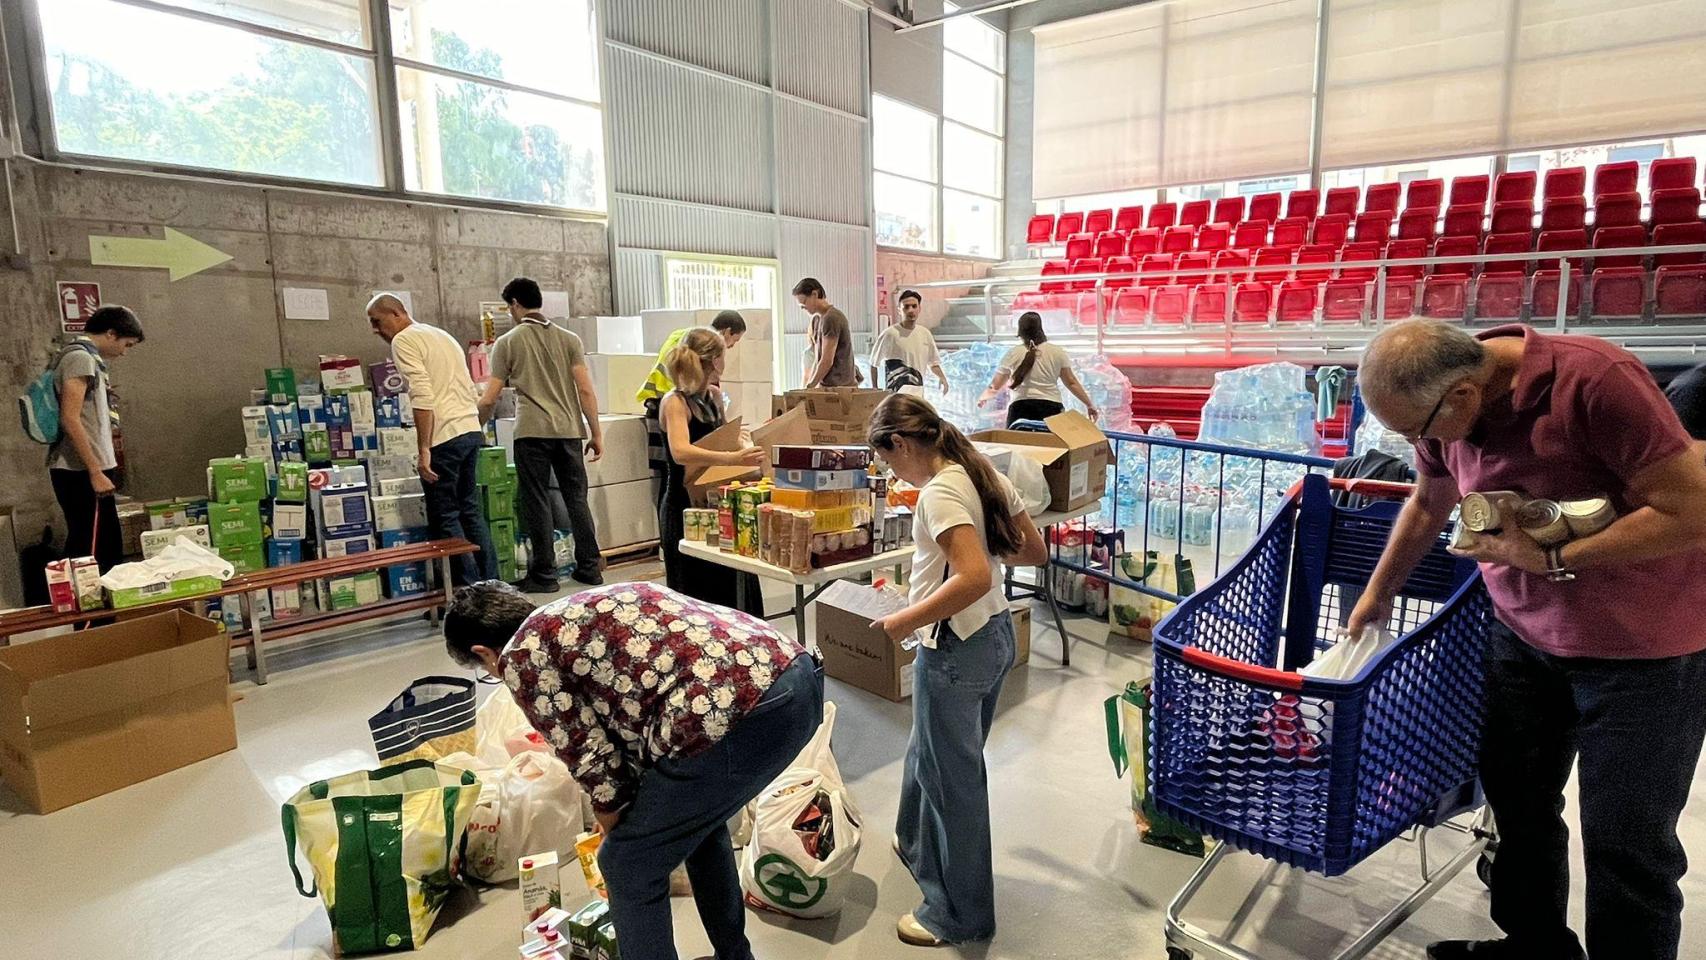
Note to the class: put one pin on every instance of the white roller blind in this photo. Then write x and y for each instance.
(1098, 103)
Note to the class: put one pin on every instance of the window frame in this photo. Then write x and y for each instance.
(387, 111)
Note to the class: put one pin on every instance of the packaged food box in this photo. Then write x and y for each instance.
(236, 479)
(255, 427)
(540, 890)
(745, 503)
(343, 509)
(583, 928)
(290, 521)
(817, 499)
(281, 385)
(822, 479)
(244, 557)
(234, 524)
(492, 467)
(839, 519)
(339, 373)
(286, 601)
(292, 486)
(822, 457)
(403, 512)
(281, 553)
(154, 541)
(283, 422)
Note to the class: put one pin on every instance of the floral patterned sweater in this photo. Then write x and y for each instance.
(619, 677)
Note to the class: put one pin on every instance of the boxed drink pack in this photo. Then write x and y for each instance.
(367, 588)
(492, 467)
(387, 379)
(341, 592)
(236, 480)
(161, 590)
(344, 546)
(816, 480)
(316, 443)
(604, 945)
(346, 472)
(292, 484)
(244, 557)
(398, 441)
(255, 427)
(583, 927)
(339, 373)
(361, 413)
(311, 409)
(281, 385)
(168, 514)
(822, 457)
(398, 486)
(281, 553)
(381, 467)
(290, 521)
(838, 415)
(284, 422)
(406, 580)
(392, 412)
(234, 524)
(342, 509)
(399, 512)
(286, 601)
(499, 502)
(154, 541)
(540, 887)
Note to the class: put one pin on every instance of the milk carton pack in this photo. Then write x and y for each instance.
(340, 373)
(399, 512)
(540, 889)
(255, 427)
(155, 541)
(289, 521)
(399, 486)
(343, 509)
(344, 546)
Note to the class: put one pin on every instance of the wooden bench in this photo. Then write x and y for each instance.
(246, 585)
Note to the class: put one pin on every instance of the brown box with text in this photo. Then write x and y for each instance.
(854, 652)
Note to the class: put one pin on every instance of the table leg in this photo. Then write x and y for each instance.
(257, 656)
(445, 581)
(1045, 583)
(800, 602)
(740, 592)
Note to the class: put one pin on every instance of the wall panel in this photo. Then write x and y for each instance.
(728, 36)
(822, 175)
(821, 46)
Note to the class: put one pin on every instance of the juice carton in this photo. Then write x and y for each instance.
(604, 943)
(583, 929)
(86, 580)
(540, 890)
(60, 588)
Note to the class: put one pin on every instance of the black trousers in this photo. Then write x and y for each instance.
(1033, 410)
(536, 460)
(77, 500)
(1633, 730)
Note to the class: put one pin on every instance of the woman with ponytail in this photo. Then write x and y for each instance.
(688, 413)
(968, 522)
(1035, 370)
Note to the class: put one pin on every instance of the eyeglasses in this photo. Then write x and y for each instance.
(1432, 415)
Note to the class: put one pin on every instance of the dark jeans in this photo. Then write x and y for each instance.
(453, 507)
(681, 813)
(536, 459)
(77, 500)
(1633, 728)
(1033, 410)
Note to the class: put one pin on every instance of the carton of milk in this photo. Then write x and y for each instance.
(540, 888)
(60, 588)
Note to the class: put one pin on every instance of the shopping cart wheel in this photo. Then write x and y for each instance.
(1176, 953)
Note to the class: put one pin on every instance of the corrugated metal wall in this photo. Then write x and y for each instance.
(728, 36)
(821, 48)
(822, 154)
(836, 256)
(636, 276)
(694, 228)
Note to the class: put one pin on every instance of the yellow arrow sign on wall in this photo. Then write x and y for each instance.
(180, 255)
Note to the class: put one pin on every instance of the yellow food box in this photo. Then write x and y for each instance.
(818, 499)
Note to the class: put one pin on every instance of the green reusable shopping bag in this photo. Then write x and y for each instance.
(384, 848)
(1128, 746)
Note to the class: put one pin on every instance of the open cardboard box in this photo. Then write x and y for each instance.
(856, 653)
(789, 429)
(1073, 453)
(838, 415)
(83, 714)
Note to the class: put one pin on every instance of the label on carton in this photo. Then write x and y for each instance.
(540, 890)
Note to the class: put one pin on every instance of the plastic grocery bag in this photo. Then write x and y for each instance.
(1127, 717)
(1347, 658)
(182, 559)
(496, 723)
(806, 835)
(382, 846)
(527, 806)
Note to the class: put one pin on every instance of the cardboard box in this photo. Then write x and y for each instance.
(838, 415)
(823, 479)
(617, 377)
(499, 502)
(255, 427)
(344, 546)
(790, 429)
(290, 521)
(286, 601)
(342, 509)
(281, 385)
(292, 485)
(154, 541)
(1022, 632)
(236, 480)
(133, 521)
(406, 580)
(387, 379)
(342, 594)
(625, 459)
(1074, 456)
(368, 588)
(244, 557)
(339, 373)
(491, 467)
(283, 422)
(400, 512)
(794, 457)
(399, 486)
(283, 553)
(624, 513)
(855, 653)
(86, 713)
(316, 443)
(382, 467)
(234, 524)
(167, 515)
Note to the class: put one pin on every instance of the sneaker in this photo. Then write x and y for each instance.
(1494, 950)
(593, 579)
(912, 932)
(531, 585)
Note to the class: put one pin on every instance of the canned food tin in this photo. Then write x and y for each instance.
(1588, 517)
(1542, 520)
(1488, 512)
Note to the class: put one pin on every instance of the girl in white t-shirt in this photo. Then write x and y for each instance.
(1036, 369)
(969, 520)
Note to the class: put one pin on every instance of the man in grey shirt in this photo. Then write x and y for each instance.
(832, 341)
(82, 463)
(556, 413)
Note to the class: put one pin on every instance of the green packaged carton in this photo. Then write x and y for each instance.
(236, 480)
(244, 557)
(292, 482)
(492, 468)
(583, 929)
(316, 443)
(499, 501)
(343, 593)
(604, 942)
(281, 385)
(161, 591)
(234, 524)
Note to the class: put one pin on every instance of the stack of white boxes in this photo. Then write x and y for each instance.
(617, 357)
(620, 493)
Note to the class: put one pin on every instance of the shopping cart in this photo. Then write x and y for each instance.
(1315, 773)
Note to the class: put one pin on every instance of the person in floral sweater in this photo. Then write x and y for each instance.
(672, 714)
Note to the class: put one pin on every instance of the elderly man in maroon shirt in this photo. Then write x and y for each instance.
(1597, 657)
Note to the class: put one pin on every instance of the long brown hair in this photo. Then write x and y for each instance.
(690, 363)
(1031, 332)
(902, 415)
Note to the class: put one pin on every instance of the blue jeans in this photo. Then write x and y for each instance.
(453, 507)
(681, 814)
(1633, 730)
(943, 828)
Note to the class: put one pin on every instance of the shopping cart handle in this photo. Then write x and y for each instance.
(1237, 669)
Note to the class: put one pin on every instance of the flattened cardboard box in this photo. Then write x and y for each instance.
(84, 714)
(1074, 456)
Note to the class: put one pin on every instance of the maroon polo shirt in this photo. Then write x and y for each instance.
(1585, 418)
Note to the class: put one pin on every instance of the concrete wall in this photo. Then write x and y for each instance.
(212, 334)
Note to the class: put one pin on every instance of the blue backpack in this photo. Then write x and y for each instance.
(38, 408)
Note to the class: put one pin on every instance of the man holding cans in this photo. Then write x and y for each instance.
(1596, 661)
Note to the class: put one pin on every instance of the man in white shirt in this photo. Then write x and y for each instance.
(904, 351)
(447, 430)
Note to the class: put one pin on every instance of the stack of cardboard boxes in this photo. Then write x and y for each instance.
(497, 480)
(235, 488)
(399, 517)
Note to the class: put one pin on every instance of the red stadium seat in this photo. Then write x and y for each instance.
(1152, 263)
(1040, 229)
(1231, 266)
(1178, 239)
(1162, 215)
(1345, 299)
(1291, 232)
(1099, 221)
(1365, 251)
(1454, 247)
(1382, 198)
(1317, 255)
(1670, 173)
(1198, 262)
(1680, 291)
(1610, 238)
(1265, 207)
(1343, 200)
(1563, 213)
(1498, 243)
(1512, 216)
(1128, 219)
(1424, 195)
(1169, 302)
(1543, 294)
(1417, 224)
(1621, 177)
(1228, 210)
(1463, 221)
(1080, 245)
(1400, 298)
(1210, 303)
(1120, 265)
(1214, 236)
(1297, 301)
(1564, 182)
(1272, 257)
(1067, 225)
(1303, 203)
(1618, 292)
(1469, 192)
(1677, 205)
(1406, 250)
(1250, 234)
(1331, 229)
(1194, 213)
(1130, 307)
(1515, 186)
(1554, 240)
(1055, 268)
(1375, 226)
(1498, 296)
(1111, 244)
(1252, 300)
(1085, 265)
(1444, 297)
(1143, 242)
(1617, 210)
(1672, 234)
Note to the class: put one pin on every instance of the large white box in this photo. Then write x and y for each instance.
(751, 361)
(290, 521)
(657, 325)
(625, 457)
(618, 377)
(619, 335)
(758, 322)
(404, 512)
(751, 402)
(624, 512)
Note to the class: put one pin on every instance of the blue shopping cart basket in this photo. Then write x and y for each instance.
(1317, 773)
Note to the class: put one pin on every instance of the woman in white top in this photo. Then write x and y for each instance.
(1035, 369)
(969, 520)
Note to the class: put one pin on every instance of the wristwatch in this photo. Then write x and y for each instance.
(1556, 571)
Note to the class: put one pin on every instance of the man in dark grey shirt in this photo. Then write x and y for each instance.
(1687, 394)
(83, 464)
(831, 339)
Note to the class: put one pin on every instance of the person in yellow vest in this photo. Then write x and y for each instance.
(658, 385)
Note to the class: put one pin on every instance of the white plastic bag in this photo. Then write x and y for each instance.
(777, 870)
(496, 722)
(1026, 474)
(183, 558)
(530, 805)
(1347, 658)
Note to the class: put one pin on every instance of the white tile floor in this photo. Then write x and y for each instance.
(191, 865)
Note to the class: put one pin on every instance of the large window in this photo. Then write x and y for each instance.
(496, 99)
(903, 142)
(709, 284)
